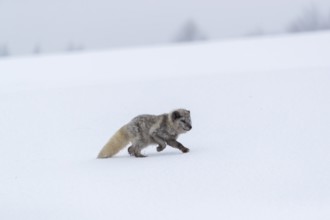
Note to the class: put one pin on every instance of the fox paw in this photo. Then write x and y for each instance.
(160, 148)
(185, 150)
(131, 151)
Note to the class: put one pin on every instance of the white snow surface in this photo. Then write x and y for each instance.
(260, 143)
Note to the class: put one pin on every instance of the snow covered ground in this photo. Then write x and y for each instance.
(260, 143)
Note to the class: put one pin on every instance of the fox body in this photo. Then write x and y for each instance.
(145, 130)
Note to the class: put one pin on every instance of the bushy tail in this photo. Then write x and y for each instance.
(117, 142)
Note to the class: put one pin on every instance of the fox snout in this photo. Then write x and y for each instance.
(187, 127)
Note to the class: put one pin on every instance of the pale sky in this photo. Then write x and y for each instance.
(101, 24)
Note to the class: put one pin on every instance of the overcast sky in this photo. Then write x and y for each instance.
(97, 24)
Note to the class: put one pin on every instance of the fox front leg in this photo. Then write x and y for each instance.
(160, 148)
(178, 145)
(161, 143)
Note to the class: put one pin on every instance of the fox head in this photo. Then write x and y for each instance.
(181, 120)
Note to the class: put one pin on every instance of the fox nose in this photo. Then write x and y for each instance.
(190, 127)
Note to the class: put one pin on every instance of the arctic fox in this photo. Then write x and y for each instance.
(145, 130)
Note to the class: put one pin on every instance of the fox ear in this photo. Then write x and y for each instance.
(175, 115)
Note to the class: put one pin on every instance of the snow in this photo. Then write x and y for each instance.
(259, 144)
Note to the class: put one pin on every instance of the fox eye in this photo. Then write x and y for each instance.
(183, 121)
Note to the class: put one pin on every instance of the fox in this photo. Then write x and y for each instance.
(145, 130)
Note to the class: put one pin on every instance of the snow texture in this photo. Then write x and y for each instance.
(260, 143)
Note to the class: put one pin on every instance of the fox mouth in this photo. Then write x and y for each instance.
(187, 129)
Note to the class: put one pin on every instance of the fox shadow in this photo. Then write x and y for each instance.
(150, 155)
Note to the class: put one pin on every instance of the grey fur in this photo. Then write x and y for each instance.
(145, 130)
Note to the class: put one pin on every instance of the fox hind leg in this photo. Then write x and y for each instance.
(135, 150)
(131, 150)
